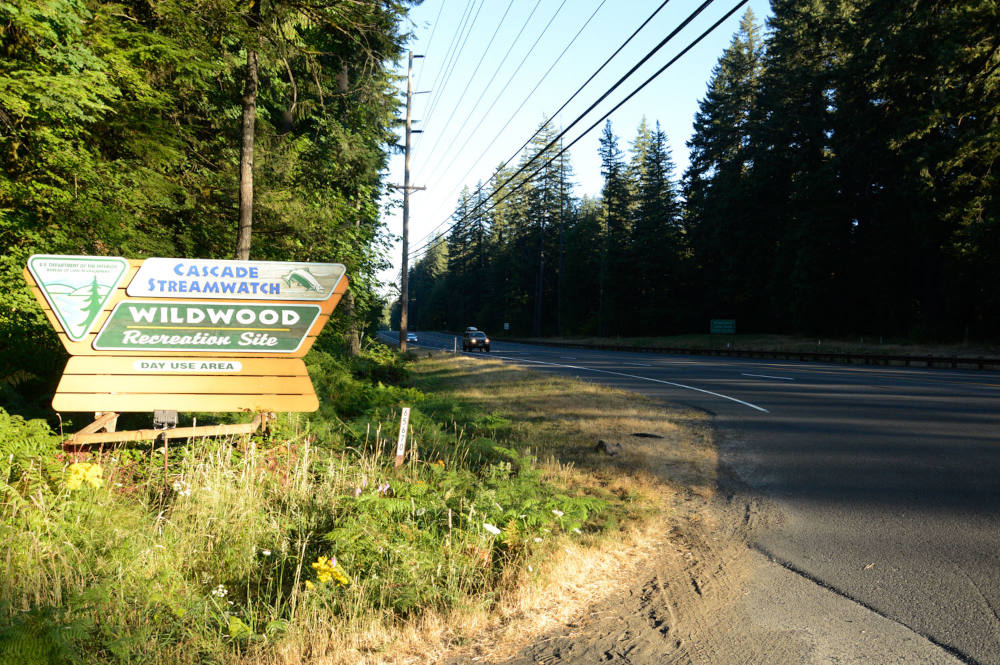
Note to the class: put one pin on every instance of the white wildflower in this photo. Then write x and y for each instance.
(220, 591)
(557, 513)
(492, 529)
(266, 552)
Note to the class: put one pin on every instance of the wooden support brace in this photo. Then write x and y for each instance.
(105, 420)
(87, 434)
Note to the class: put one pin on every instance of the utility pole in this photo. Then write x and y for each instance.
(404, 290)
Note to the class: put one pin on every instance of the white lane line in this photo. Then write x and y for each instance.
(639, 364)
(568, 357)
(642, 378)
(768, 376)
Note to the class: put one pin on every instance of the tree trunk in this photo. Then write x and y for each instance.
(353, 338)
(246, 158)
(353, 332)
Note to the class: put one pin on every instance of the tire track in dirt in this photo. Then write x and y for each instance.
(707, 598)
(674, 606)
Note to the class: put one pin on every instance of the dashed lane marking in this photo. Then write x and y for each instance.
(768, 376)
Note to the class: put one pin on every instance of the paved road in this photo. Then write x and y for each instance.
(887, 480)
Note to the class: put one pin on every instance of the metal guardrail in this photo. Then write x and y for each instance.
(954, 362)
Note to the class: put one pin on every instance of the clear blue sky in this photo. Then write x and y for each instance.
(484, 66)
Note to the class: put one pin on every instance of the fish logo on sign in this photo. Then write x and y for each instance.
(303, 278)
(77, 287)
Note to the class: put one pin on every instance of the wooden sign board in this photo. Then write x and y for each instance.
(173, 343)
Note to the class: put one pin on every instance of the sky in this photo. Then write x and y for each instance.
(494, 70)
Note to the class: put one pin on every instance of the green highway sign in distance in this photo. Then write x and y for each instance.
(240, 327)
(723, 327)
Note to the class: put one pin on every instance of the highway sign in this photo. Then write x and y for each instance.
(723, 327)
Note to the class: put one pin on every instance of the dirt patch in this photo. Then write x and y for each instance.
(674, 602)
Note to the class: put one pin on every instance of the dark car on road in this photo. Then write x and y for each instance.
(412, 337)
(475, 339)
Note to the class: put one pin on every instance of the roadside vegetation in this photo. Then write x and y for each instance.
(787, 343)
(305, 544)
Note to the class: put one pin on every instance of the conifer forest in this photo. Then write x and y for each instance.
(843, 179)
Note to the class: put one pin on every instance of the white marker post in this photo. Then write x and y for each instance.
(404, 423)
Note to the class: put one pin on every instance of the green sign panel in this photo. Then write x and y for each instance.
(77, 287)
(231, 327)
(723, 326)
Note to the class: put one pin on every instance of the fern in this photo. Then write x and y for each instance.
(23, 441)
(42, 636)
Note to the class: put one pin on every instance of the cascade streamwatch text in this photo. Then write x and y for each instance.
(229, 327)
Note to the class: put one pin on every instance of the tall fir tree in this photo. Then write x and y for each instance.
(617, 297)
(730, 244)
(657, 242)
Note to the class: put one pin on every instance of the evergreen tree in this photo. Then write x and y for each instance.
(917, 138)
(795, 182)
(582, 268)
(657, 240)
(94, 304)
(617, 297)
(729, 243)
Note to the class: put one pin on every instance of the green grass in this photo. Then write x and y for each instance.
(789, 343)
(211, 560)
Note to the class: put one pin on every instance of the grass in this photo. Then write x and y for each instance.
(306, 545)
(874, 345)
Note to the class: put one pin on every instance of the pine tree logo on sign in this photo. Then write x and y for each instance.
(77, 287)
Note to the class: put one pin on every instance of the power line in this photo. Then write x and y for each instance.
(614, 87)
(430, 40)
(566, 103)
(509, 80)
(476, 69)
(504, 59)
(649, 80)
(450, 67)
(451, 46)
(525, 101)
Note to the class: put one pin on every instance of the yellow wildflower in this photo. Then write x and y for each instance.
(327, 570)
(84, 472)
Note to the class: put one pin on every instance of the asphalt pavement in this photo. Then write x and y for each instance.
(887, 480)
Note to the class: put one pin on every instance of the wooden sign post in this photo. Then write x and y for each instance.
(404, 423)
(185, 334)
